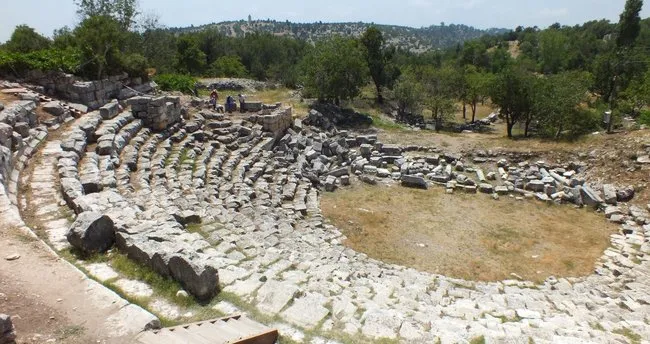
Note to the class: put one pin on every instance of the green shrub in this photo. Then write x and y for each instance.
(644, 118)
(228, 66)
(66, 60)
(175, 82)
(135, 65)
(584, 121)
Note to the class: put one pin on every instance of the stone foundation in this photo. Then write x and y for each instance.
(156, 113)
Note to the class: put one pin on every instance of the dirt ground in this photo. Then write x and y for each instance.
(42, 311)
(468, 236)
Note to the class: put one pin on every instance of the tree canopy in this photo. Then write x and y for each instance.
(25, 40)
(334, 70)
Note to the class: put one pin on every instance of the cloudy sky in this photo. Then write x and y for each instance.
(47, 15)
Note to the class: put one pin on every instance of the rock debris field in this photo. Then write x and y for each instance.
(253, 189)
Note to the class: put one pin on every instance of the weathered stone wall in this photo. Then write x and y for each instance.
(156, 113)
(93, 94)
(277, 121)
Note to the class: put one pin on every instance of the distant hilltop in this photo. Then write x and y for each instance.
(408, 38)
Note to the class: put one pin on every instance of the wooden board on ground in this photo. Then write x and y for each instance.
(235, 329)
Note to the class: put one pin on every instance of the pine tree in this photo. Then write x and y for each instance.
(629, 25)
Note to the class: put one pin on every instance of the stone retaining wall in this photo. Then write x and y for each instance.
(93, 94)
(157, 113)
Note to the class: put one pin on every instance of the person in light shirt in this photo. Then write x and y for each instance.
(242, 103)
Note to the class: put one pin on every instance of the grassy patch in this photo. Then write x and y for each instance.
(431, 231)
(597, 326)
(165, 287)
(505, 319)
(282, 95)
(183, 156)
(70, 332)
(196, 228)
(634, 337)
(380, 122)
(477, 340)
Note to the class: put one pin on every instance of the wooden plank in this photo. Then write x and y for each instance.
(190, 336)
(255, 326)
(167, 337)
(229, 330)
(224, 329)
(147, 337)
(269, 337)
(208, 331)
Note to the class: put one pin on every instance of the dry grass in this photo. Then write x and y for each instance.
(496, 139)
(468, 236)
(282, 95)
(7, 98)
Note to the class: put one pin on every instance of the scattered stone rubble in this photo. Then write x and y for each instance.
(263, 238)
(233, 84)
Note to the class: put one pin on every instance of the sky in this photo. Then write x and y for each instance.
(47, 15)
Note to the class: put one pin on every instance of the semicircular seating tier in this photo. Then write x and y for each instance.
(254, 195)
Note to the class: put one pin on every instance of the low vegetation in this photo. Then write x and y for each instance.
(176, 82)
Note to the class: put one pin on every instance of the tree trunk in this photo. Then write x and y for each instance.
(473, 112)
(380, 97)
(609, 125)
(559, 132)
(509, 126)
(464, 111)
(438, 119)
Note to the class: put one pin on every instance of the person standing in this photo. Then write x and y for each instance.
(242, 103)
(214, 98)
(230, 102)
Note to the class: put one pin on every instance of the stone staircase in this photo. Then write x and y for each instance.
(235, 329)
